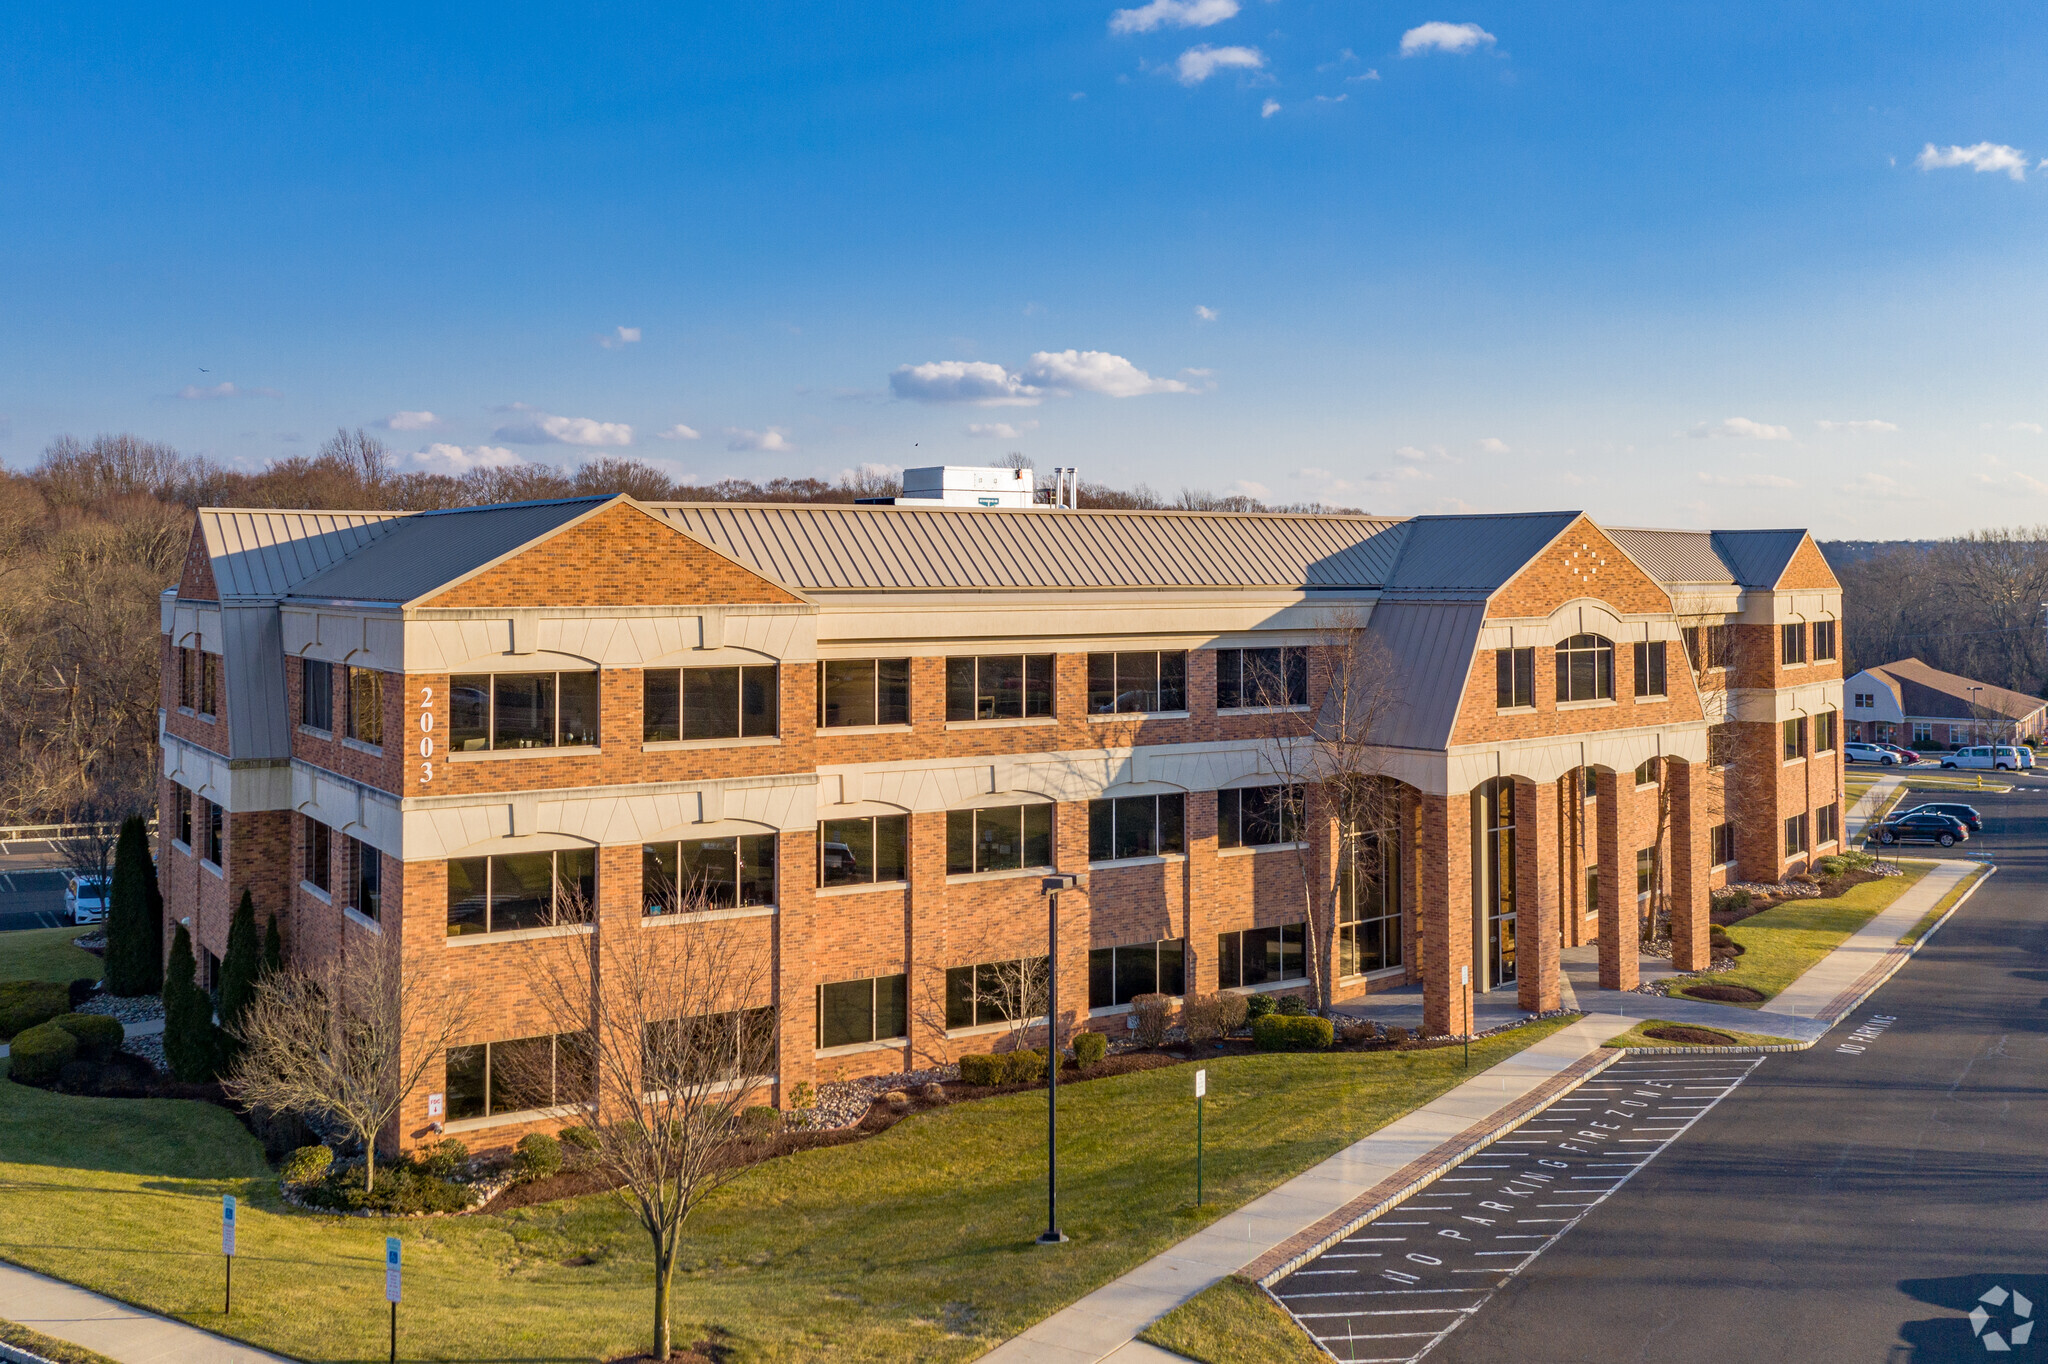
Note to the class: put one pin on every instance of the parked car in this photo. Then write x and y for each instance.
(1954, 809)
(1922, 827)
(1984, 758)
(86, 897)
(1869, 753)
(2025, 755)
(1904, 755)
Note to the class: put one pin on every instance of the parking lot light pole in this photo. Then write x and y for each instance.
(1050, 887)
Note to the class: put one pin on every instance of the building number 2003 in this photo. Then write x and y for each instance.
(426, 733)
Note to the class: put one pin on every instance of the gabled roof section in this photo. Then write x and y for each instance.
(1926, 692)
(259, 555)
(1429, 648)
(431, 550)
(940, 548)
(1675, 557)
(1468, 558)
(1757, 558)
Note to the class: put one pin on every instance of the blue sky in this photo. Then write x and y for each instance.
(1676, 265)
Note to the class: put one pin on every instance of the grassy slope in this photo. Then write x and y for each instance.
(913, 1245)
(1634, 1036)
(1781, 943)
(45, 954)
(1232, 1322)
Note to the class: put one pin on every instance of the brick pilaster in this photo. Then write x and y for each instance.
(1619, 932)
(1444, 915)
(1688, 862)
(1536, 893)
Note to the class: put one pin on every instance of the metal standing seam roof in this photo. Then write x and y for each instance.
(1674, 556)
(1470, 557)
(263, 554)
(429, 550)
(847, 547)
(1429, 647)
(1757, 557)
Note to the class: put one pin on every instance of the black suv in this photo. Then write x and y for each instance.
(1971, 820)
(1921, 826)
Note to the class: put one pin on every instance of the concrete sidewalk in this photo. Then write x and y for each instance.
(1866, 805)
(114, 1329)
(1320, 1204)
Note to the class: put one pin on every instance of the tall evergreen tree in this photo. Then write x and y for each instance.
(239, 969)
(273, 948)
(189, 1035)
(132, 943)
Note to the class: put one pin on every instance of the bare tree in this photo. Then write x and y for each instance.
(1016, 992)
(673, 1047)
(348, 1043)
(92, 828)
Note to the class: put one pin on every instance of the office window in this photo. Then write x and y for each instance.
(1792, 643)
(1720, 646)
(1649, 662)
(863, 691)
(316, 694)
(1865, 701)
(519, 1076)
(366, 704)
(1137, 826)
(1118, 975)
(709, 1049)
(521, 890)
(1258, 816)
(1260, 678)
(209, 684)
(188, 679)
(1137, 682)
(1261, 956)
(999, 687)
(1514, 677)
(502, 711)
(1823, 640)
(1721, 839)
(1369, 908)
(996, 992)
(1005, 838)
(216, 834)
(1794, 733)
(1646, 873)
(1721, 744)
(854, 1011)
(855, 852)
(1923, 733)
(182, 809)
(1585, 669)
(709, 703)
(366, 879)
(1827, 823)
(319, 855)
(1824, 732)
(1795, 835)
(1646, 772)
(1592, 889)
(707, 873)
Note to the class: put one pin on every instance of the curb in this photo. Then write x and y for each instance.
(1424, 1170)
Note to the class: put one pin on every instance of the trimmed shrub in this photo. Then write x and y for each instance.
(1284, 1032)
(1208, 1017)
(760, 1120)
(983, 1068)
(400, 1189)
(307, 1164)
(40, 1053)
(134, 916)
(1730, 899)
(1024, 1067)
(1257, 1007)
(80, 990)
(578, 1136)
(26, 1004)
(191, 1042)
(1089, 1048)
(540, 1155)
(1154, 1015)
(98, 1036)
(444, 1159)
(1292, 1006)
(1397, 1036)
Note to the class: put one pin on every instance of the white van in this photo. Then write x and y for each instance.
(1986, 758)
(86, 897)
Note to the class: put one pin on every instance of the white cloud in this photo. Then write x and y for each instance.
(1748, 480)
(225, 390)
(1858, 427)
(1172, 14)
(410, 421)
(1435, 454)
(774, 438)
(1197, 64)
(678, 432)
(542, 428)
(1269, 108)
(1742, 427)
(1000, 430)
(1980, 157)
(1333, 99)
(981, 382)
(1251, 489)
(1206, 314)
(453, 459)
(621, 336)
(1095, 371)
(1437, 36)
(1372, 75)
(2021, 428)
(1494, 445)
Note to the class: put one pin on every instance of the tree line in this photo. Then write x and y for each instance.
(1972, 605)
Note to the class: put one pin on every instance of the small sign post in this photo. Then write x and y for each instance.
(1465, 979)
(391, 1263)
(227, 1250)
(1201, 1090)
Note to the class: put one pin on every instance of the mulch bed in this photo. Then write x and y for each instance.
(1725, 994)
(1704, 1037)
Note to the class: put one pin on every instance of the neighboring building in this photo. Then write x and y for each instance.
(875, 727)
(1911, 704)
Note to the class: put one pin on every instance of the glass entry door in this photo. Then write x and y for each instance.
(1497, 834)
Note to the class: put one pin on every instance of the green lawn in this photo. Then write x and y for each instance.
(1635, 1037)
(56, 1351)
(45, 954)
(1779, 944)
(916, 1244)
(1233, 1322)
(1941, 907)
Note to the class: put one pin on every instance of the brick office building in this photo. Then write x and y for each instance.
(869, 731)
